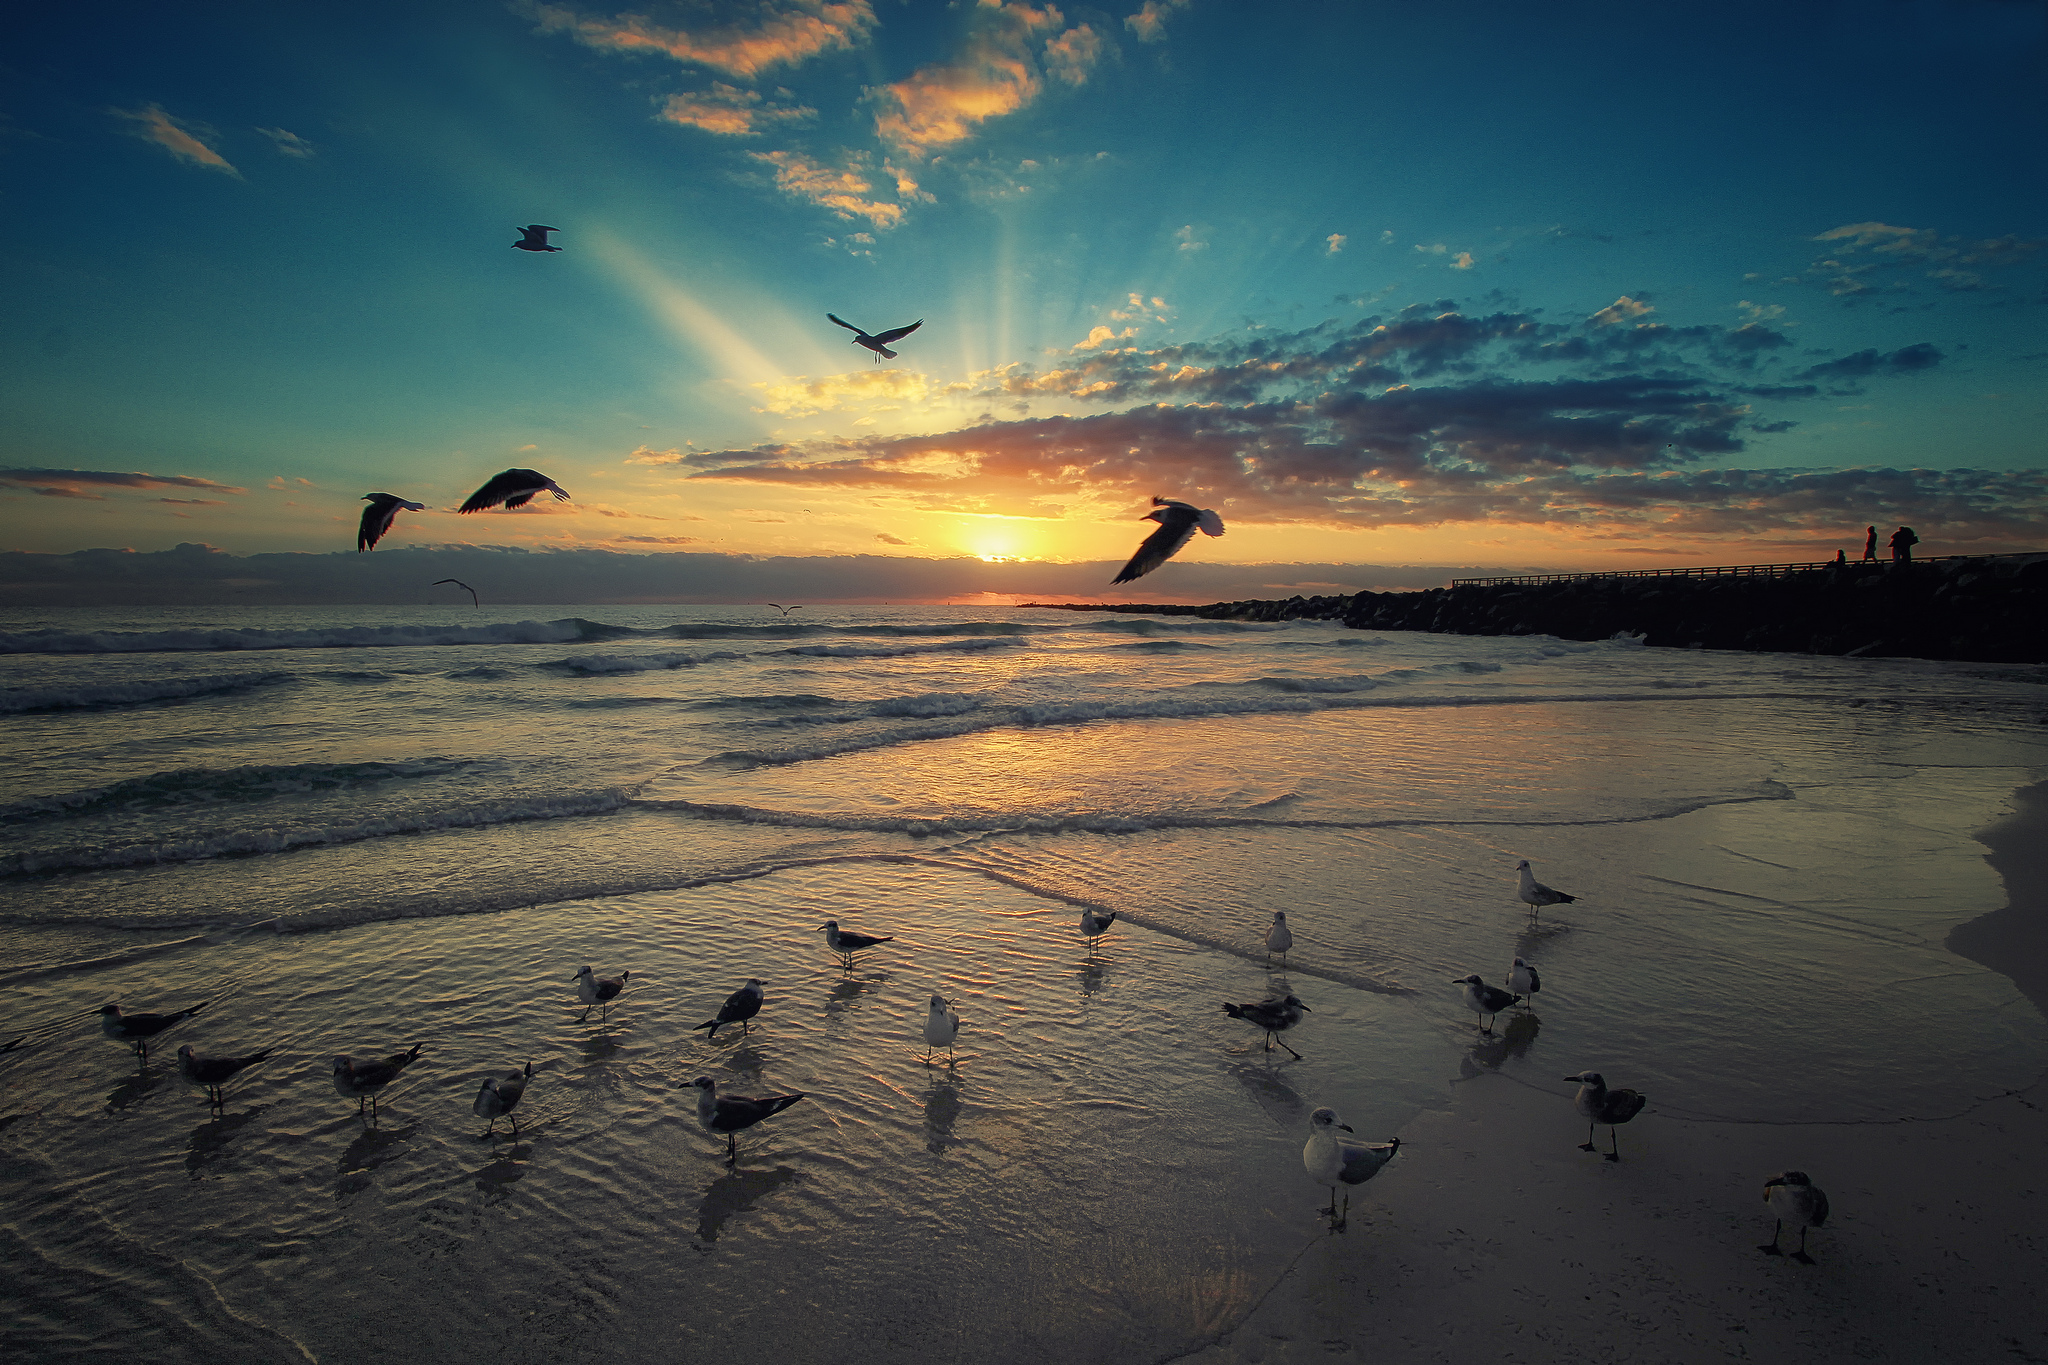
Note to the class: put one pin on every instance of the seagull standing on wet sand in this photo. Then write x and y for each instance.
(1330, 1159)
(514, 488)
(1524, 982)
(363, 1080)
(941, 1027)
(1796, 1200)
(1279, 938)
(1483, 999)
(879, 342)
(729, 1114)
(497, 1097)
(1601, 1105)
(742, 1005)
(598, 990)
(1178, 522)
(847, 944)
(137, 1029)
(215, 1072)
(1274, 1016)
(534, 237)
(1535, 894)
(1093, 926)
(379, 515)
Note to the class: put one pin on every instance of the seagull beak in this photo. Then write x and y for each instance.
(1345, 1126)
(1304, 1009)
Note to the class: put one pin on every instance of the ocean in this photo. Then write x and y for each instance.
(353, 829)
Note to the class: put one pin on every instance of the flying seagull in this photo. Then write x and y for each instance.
(1274, 1016)
(215, 1072)
(941, 1027)
(879, 342)
(1330, 1159)
(462, 585)
(496, 1098)
(598, 990)
(1093, 926)
(1483, 999)
(379, 515)
(786, 610)
(742, 1005)
(1796, 1200)
(514, 488)
(1601, 1105)
(1535, 894)
(730, 1114)
(137, 1029)
(364, 1079)
(1279, 938)
(847, 944)
(1178, 521)
(1523, 981)
(534, 237)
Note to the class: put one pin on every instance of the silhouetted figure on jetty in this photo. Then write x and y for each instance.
(1870, 545)
(1902, 542)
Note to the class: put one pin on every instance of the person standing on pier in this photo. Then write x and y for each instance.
(1902, 543)
(1870, 545)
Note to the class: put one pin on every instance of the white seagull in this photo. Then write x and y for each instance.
(497, 1097)
(879, 342)
(1329, 1159)
(379, 515)
(1483, 999)
(1178, 522)
(941, 1027)
(1093, 926)
(598, 990)
(363, 1080)
(215, 1072)
(514, 488)
(1279, 938)
(137, 1029)
(1523, 981)
(534, 237)
(1795, 1199)
(1600, 1105)
(1535, 894)
(1274, 1016)
(846, 943)
(730, 1114)
(742, 1005)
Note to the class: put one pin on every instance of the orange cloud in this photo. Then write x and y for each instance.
(996, 74)
(730, 111)
(1149, 23)
(167, 133)
(842, 191)
(787, 34)
(802, 395)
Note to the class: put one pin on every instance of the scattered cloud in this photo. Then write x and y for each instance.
(786, 33)
(175, 137)
(1387, 237)
(1187, 239)
(842, 191)
(1761, 312)
(1623, 309)
(1070, 56)
(193, 502)
(996, 73)
(888, 539)
(1336, 241)
(1149, 23)
(1099, 337)
(801, 395)
(76, 483)
(730, 111)
(1138, 309)
(287, 144)
(1867, 258)
(1863, 364)
(1462, 261)
(656, 540)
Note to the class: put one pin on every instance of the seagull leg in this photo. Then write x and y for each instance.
(1613, 1144)
(1777, 1229)
(1297, 1057)
(732, 1149)
(1800, 1255)
(1587, 1145)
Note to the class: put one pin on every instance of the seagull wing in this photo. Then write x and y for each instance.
(503, 486)
(844, 323)
(1176, 526)
(897, 332)
(377, 519)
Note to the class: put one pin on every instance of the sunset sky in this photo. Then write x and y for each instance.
(1466, 284)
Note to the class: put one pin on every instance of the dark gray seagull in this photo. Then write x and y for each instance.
(137, 1029)
(1483, 999)
(1601, 1105)
(379, 515)
(598, 990)
(364, 1079)
(1330, 1159)
(215, 1072)
(497, 1097)
(879, 342)
(742, 1005)
(1274, 1016)
(732, 1113)
(846, 944)
(1093, 926)
(514, 488)
(534, 237)
(473, 599)
(1796, 1200)
(1178, 521)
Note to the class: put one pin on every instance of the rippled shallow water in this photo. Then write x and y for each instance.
(351, 843)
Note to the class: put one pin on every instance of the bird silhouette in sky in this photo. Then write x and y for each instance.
(473, 601)
(879, 342)
(786, 610)
(379, 515)
(534, 237)
(514, 488)
(1178, 522)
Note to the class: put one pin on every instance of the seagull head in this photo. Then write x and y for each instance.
(706, 1084)
(185, 1052)
(1520, 963)
(1296, 1002)
(1472, 980)
(1326, 1118)
(1279, 917)
(1589, 1078)
(580, 975)
(1522, 866)
(110, 1011)
(828, 924)
(342, 1066)
(938, 1003)
(1798, 1178)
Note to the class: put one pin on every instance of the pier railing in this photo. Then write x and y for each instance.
(1715, 571)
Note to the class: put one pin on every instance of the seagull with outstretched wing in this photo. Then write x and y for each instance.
(534, 237)
(879, 342)
(379, 515)
(514, 488)
(1178, 522)
(474, 601)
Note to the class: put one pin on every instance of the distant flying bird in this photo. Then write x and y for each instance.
(137, 1029)
(215, 1072)
(379, 515)
(462, 585)
(742, 1005)
(1279, 938)
(1483, 999)
(534, 237)
(1093, 926)
(364, 1079)
(497, 1097)
(1535, 894)
(598, 990)
(514, 488)
(729, 1114)
(847, 944)
(1329, 1159)
(1796, 1200)
(1274, 1016)
(1523, 981)
(786, 610)
(879, 342)
(941, 1027)
(1601, 1105)
(1178, 521)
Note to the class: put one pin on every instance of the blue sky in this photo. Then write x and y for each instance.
(1466, 284)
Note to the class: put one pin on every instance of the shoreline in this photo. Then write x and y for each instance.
(2013, 940)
